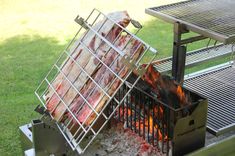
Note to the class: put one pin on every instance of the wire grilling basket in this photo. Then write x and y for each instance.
(89, 73)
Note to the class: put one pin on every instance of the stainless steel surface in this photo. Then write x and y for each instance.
(26, 137)
(195, 57)
(190, 131)
(77, 139)
(219, 86)
(179, 54)
(30, 152)
(47, 139)
(211, 18)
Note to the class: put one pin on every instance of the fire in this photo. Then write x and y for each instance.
(180, 94)
(129, 112)
(163, 84)
(151, 76)
(150, 123)
(143, 125)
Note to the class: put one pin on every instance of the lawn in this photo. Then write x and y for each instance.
(34, 33)
(225, 148)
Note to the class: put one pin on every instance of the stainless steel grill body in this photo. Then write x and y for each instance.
(211, 18)
(218, 85)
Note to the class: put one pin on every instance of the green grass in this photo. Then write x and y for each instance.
(33, 34)
(225, 148)
(24, 62)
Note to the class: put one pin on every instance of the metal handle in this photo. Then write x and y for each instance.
(136, 24)
(79, 20)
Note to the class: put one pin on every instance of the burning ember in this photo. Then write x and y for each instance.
(116, 142)
(149, 116)
(143, 124)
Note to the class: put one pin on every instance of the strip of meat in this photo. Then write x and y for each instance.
(86, 60)
(97, 98)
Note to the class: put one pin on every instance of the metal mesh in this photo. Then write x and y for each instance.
(219, 87)
(195, 57)
(79, 133)
(211, 16)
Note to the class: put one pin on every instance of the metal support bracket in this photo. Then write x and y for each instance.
(179, 51)
(193, 39)
(177, 60)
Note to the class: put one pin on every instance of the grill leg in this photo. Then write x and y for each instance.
(181, 64)
(179, 54)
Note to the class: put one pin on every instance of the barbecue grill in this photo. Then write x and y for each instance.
(179, 130)
(210, 19)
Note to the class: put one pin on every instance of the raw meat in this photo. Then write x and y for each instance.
(86, 60)
(106, 79)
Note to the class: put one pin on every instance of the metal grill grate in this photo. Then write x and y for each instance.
(195, 57)
(212, 18)
(219, 86)
(82, 60)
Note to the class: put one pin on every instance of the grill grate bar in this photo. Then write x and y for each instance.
(195, 57)
(219, 87)
(211, 18)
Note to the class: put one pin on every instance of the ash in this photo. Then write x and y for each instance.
(119, 141)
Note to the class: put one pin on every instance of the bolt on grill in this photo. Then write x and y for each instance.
(74, 130)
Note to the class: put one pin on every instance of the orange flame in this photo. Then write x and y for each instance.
(147, 123)
(181, 95)
(151, 76)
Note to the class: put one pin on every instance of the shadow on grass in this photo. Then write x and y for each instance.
(24, 60)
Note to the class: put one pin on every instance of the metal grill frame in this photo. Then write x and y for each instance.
(207, 9)
(185, 23)
(194, 80)
(75, 142)
(195, 57)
